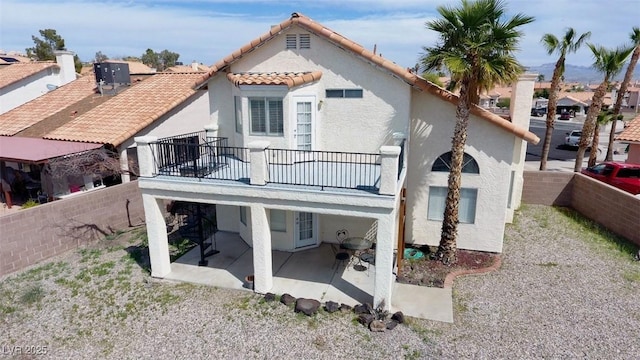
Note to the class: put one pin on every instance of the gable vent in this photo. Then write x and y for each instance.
(305, 41)
(291, 41)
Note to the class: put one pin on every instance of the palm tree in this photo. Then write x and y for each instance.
(635, 38)
(566, 45)
(603, 119)
(609, 62)
(476, 45)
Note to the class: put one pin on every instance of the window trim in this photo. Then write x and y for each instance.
(267, 119)
(237, 104)
(334, 93)
(437, 214)
(282, 225)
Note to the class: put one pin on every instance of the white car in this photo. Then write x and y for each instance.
(573, 138)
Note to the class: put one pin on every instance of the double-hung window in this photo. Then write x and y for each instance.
(266, 116)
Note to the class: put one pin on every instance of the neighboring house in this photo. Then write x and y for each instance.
(22, 82)
(194, 67)
(631, 135)
(312, 133)
(630, 100)
(77, 113)
(574, 102)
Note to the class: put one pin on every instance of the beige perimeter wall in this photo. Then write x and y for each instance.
(34, 234)
(614, 209)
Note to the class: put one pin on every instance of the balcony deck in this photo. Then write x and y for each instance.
(315, 174)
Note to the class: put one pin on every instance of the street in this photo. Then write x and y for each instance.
(557, 150)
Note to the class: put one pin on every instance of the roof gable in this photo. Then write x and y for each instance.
(13, 73)
(372, 58)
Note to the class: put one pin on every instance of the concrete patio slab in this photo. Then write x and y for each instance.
(310, 273)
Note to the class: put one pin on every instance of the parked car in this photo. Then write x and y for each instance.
(573, 138)
(564, 116)
(621, 175)
(537, 112)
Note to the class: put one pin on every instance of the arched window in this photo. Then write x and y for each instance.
(443, 163)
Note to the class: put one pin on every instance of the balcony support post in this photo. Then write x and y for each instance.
(145, 155)
(389, 160)
(258, 162)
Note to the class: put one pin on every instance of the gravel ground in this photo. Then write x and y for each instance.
(562, 292)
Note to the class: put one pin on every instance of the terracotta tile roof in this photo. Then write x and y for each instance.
(300, 20)
(18, 71)
(188, 68)
(289, 79)
(125, 114)
(30, 113)
(135, 67)
(632, 132)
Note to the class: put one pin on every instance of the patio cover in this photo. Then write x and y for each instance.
(36, 150)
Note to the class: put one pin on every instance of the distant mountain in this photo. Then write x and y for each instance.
(575, 73)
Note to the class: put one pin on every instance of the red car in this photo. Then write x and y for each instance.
(621, 175)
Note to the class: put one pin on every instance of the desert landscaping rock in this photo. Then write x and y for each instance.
(377, 326)
(391, 324)
(287, 299)
(365, 319)
(398, 316)
(307, 306)
(331, 306)
(268, 297)
(363, 309)
(345, 308)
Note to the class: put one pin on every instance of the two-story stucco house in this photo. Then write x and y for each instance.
(312, 133)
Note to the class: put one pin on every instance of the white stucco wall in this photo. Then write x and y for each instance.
(432, 127)
(383, 110)
(28, 89)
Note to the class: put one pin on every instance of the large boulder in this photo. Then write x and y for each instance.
(363, 309)
(307, 306)
(287, 299)
(331, 306)
(398, 316)
(377, 325)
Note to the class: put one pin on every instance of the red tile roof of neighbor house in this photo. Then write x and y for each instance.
(34, 111)
(412, 79)
(15, 72)
(128, 112)
(632, 132)
(289, 79)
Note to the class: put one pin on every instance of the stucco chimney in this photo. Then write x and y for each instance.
(64, 59)
(194, 65)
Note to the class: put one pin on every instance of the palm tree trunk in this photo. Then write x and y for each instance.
(594, 146)
(551, 112)
(618, 105)
(447, 249)
(590, 123)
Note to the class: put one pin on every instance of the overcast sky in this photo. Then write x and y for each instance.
(208, 30)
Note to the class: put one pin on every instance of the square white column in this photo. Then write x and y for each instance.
(262, 261)
(157, 235)
(387, 235)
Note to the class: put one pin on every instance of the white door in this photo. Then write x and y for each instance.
(305, 231)
(305, 116)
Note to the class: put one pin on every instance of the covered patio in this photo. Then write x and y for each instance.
(311, 273)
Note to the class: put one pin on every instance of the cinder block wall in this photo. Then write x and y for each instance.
(615, 209)
(547, 188)
(34, 234)
(612, 208)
